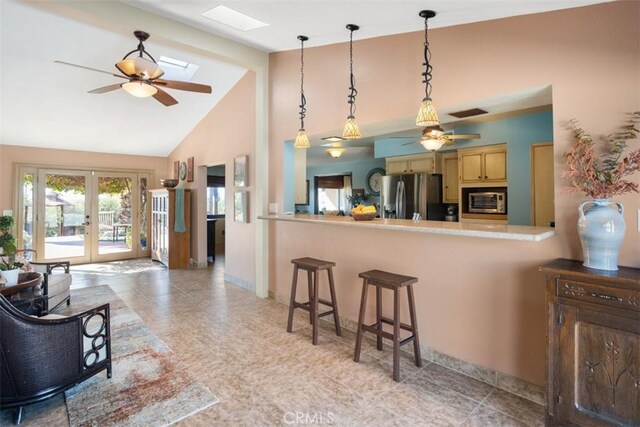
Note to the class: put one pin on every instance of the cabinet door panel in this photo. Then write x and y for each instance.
(396, 167)
(495, 166)
(421, 165)
(471, 167)
(450, 180)
(600, 374)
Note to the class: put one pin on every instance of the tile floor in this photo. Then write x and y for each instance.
(237, 345)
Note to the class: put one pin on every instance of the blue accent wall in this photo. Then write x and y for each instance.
(289, 177)
(518, 132)
(358, 169)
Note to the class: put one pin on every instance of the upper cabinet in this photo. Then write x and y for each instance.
(450, 177)
(486, 164)
(419, 163)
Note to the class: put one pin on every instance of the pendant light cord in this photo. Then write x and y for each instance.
(351, 98)
(303, 100)
(427, 62)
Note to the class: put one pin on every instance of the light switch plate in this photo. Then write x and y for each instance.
(273, 208)
(7, 212)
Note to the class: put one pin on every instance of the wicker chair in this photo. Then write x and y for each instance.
(41, 357)
(56, 285)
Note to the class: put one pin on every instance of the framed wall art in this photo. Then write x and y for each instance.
(190, 169)
(241, 206)
(240, 171)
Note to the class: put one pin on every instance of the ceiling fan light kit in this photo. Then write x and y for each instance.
(143, 76)
(351, 129)
(302, 140)
(335, 152)
(427, 115)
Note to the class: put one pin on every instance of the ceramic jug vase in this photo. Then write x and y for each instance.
(601, 228)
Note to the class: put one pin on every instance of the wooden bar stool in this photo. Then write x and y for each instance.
(312, 266)
(383, 279)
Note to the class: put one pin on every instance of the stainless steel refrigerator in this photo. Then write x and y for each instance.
(403, 195)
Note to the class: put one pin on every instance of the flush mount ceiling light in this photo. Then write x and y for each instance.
(335, 152)
(233, 18)
(351, 130)
(427, 115)
(302, 141)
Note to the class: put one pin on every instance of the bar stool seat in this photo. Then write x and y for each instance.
(384, 279)
(312, 266)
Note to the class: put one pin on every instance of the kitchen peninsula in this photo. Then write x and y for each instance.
(491, 231)
(479, 297)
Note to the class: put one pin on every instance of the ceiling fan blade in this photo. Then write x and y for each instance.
(92, 69)
(412, 142)
(164, 98)
(462, 136)
(191, 87)
(401, 137)
(106, 89)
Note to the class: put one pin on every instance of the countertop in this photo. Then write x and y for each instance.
(489, 231)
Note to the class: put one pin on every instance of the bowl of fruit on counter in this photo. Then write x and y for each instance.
(363, 213)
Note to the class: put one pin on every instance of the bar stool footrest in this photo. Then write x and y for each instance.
(390, 322)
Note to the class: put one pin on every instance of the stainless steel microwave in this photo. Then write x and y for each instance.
(488, 202)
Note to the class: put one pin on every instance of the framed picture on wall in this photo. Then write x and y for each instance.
(176, 169)
(190, 169)
(240, 175)
(241, 206)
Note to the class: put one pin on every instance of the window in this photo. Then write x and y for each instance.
(331, 192)
(215, 201)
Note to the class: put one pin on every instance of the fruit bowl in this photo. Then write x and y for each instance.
(363, 216)
(169, 183)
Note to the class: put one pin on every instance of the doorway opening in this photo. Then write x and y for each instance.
(216, 208)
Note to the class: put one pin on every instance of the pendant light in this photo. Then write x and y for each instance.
(351, 130)
(302, 141)
(427, 116)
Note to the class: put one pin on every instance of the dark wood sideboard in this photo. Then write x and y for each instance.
(593, 335)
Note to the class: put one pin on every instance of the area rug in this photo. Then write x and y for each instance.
(149, 387)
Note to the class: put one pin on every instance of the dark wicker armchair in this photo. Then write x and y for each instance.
(41, 357)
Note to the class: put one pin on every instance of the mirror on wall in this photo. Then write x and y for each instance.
(522, 121)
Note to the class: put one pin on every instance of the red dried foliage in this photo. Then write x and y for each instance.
(603, 177)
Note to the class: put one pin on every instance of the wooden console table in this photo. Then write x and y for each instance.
(593, 353)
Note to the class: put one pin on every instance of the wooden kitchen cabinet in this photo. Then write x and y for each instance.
(168, 246)
(450, 177)
(486, 164)
(422, 163)
(593, 336)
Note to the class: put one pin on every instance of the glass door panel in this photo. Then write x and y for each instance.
(116, 216)
(63, 214)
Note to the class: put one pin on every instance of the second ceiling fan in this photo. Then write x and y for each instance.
(143, 76)
(434, 137)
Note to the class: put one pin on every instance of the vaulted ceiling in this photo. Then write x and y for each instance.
(45, 104)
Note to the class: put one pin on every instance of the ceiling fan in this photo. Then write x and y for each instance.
(434, 137)
(143, 76)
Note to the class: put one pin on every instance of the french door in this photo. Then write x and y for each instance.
(83, 216)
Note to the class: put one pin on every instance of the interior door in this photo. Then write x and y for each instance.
(115, 212)
(64, 215)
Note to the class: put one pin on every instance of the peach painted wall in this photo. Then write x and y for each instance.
(479, 300)
(12, 154)
(226, 132)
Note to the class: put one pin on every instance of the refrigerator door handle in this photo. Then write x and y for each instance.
(400, 201)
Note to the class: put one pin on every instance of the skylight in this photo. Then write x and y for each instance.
(175, 69)
(233, 18)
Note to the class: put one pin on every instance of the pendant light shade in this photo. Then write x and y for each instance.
(351, 129)
(302, 140)
(427, 115)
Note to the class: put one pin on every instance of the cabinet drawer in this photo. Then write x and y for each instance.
(602, 295)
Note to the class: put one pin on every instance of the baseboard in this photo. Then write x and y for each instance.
(514, 385)
(240, 283)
